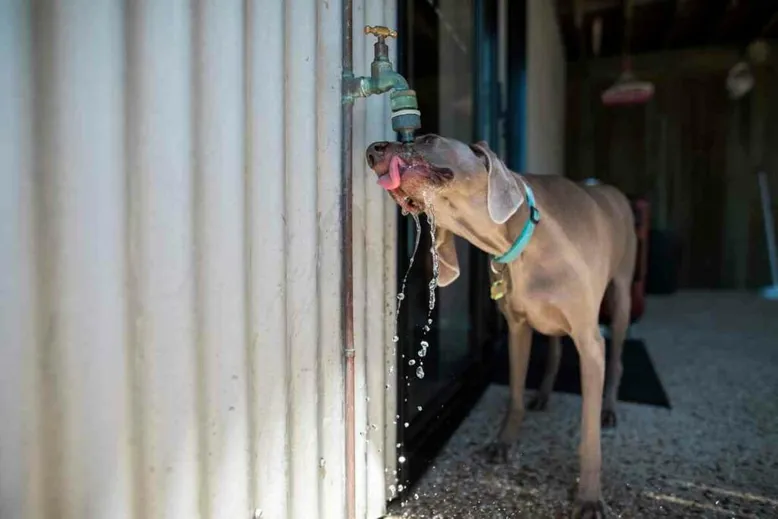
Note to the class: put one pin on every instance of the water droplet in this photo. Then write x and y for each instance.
(418, 408)
(321, 462)
(406, 424)
(424, 344)
(400, 488)
(401, 459)
(429, 321)
(400, 296)
(367, 399)
(396, 338)
(416, 496)
(411, 362)
(426, 328)
(391, 370)
(392, 489)
(399, 445)
(420, 372)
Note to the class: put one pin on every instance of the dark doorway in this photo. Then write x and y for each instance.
(448, 53)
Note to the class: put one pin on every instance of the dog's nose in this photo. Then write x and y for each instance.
(375, 153)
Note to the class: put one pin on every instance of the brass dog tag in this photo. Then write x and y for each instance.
(498, 289)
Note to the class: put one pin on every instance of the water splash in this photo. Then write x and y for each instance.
(433, 284)
(401, 295)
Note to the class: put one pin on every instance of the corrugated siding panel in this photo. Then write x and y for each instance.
(170, 255)
(546, 67)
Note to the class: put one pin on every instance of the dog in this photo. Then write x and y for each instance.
(558, 247)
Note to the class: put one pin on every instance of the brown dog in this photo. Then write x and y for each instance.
(583, 244)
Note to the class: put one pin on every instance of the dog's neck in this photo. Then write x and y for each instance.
(472, 223)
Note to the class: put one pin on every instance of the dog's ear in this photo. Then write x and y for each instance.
(503, 197)
(447, 257)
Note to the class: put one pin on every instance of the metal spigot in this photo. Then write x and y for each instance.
(406, 118)
(380, 31)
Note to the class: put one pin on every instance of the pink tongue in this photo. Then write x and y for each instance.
(391, 180)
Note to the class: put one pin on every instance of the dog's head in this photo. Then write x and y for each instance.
(446, 175)
(435, 169)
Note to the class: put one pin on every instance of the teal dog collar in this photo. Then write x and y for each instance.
(526, 233)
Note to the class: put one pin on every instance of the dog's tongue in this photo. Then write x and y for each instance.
(391, 180)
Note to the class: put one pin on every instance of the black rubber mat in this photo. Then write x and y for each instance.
(640, 382)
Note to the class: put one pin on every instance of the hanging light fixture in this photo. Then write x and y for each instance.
(628, 89)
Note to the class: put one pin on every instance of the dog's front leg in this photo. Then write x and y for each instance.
(591, 351)
(519, 345)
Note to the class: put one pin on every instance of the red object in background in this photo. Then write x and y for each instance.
(642, 211)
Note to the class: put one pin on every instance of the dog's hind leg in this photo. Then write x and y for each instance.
(620, 298)
(519, 345)
(540, 400)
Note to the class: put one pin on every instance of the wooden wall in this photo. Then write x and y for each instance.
(692, 151)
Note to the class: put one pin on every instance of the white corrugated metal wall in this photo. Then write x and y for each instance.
(170, 261)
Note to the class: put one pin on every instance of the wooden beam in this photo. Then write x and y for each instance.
(596, 6)
(671, 63)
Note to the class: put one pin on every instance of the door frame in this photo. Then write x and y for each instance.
(431, 428)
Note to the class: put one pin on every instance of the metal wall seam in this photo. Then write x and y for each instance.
(269, 362)
(390, 289)
(79, 153)
(302, 239)
(161, 260)
(219, 235)
(20, 493)
(374, 258)
(361, 283)
(332, 434)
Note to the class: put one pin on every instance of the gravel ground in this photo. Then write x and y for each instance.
(715, 454)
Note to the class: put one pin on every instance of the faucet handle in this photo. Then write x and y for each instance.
(381, 32)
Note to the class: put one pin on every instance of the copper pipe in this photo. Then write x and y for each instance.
(348, 258)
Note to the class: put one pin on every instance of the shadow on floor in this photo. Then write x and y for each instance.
(713, 455)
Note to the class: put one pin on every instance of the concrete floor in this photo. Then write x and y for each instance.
(715, 454)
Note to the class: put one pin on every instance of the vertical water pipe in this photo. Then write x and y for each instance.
(347, 273)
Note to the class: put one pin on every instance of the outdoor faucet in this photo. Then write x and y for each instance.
(406, 118)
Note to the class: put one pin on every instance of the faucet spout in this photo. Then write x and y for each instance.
(406, 118)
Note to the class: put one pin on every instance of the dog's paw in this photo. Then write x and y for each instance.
(589, 510)
(538, 403)
(495, 452)
(608, 419)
